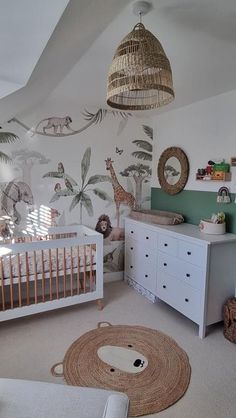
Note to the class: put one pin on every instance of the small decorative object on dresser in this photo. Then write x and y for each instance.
(230, 320)
(215, 225)
(191, 271)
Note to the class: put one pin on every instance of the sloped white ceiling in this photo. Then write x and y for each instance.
(25, 28)
(80, 25)
(199, 38)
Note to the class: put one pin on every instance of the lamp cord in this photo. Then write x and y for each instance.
(140, 17)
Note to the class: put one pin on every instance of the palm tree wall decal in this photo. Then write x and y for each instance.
(146, 146)
(6, 138)
(80, 195)
(141, 173)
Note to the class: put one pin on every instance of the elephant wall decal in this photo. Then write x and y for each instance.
(14, 192)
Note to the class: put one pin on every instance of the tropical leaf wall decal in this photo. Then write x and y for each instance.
(75, 201)
(85, 164)
(143, 144)
(141, 155)
(57, 175)
(145, 155)
(87, 203)
(98, 179)
(62, 193)
(6, 138)
(103, 195)
(148, 131)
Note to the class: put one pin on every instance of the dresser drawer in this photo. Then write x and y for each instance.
(167, 244)
(147, 278)
(187, 272)
(192, 253)
(146, 275)
(131, 230)
(147, 238)
(130, 258)
(179, 295)
(168, 264)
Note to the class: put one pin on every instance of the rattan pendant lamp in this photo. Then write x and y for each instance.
(140, 76)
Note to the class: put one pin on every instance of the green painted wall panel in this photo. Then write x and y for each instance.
(195, 205)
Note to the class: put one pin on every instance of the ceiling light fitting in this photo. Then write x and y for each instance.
(140, 76)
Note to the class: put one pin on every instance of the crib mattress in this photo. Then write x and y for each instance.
(74, 257)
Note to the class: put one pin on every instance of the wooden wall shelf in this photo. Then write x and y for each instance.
(225, 177)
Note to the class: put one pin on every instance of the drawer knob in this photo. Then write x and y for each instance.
(186, 300)
(132, 232)
(187, 275)
(189, 252)
(146, 255)
(164, 286)
(131, 267)
(165, 245)
(146, 275)
(131, 248)
(147, 237)
(165, 264)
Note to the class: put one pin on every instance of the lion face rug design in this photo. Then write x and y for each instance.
(146, 364)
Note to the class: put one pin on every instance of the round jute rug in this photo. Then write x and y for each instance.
(146, 364)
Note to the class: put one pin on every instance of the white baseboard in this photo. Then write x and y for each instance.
(113, 277)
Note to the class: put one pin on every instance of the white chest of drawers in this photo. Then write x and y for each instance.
(193, 272)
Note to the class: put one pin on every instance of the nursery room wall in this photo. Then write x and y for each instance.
(59, 175)
(205, 131)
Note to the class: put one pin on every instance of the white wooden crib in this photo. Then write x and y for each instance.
(47, 272)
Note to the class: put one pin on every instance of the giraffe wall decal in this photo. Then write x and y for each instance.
(120, 194)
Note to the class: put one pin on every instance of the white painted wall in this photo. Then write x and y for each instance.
(205, 130)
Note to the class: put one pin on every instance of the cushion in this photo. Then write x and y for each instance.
(159, 217)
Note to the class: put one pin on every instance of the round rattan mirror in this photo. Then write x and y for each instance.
(173, 170)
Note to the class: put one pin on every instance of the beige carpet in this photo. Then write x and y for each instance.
(29, 347)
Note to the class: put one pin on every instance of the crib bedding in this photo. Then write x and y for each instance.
(53, 260)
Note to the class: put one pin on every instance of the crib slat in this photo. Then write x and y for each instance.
(57, 274)
(19, 280)
(91, 268)
(78, 271)
(2, 285)
(64, 266)
(27, 277)
(50, 273)
(84, 268)
(71, 271)
(11, 282)
(35, 280)
(43, 276)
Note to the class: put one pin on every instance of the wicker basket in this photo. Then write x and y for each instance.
(230, 320)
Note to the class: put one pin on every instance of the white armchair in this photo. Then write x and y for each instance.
(29, 399)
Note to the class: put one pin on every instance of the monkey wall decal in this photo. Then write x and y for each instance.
(68, 185)
(56, 123)
(54, 126)
(57, 187)
(60, 168)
